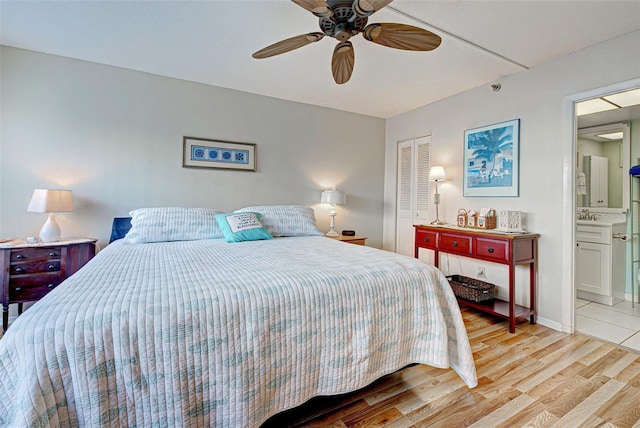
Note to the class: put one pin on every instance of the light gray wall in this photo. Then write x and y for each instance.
(538, 97)
(114, 136)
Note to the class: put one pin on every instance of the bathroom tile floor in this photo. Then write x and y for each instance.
(619, 324)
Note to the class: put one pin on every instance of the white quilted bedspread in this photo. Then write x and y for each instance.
(206, 333)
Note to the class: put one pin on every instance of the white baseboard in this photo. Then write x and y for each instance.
(549, 323)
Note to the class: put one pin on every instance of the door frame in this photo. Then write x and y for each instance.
(569, 153)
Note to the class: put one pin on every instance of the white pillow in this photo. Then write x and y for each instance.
(172, 224)
(286, 220)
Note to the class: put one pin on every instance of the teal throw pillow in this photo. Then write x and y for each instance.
(238, 227)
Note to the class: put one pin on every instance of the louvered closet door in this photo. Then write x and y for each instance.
(412, 190)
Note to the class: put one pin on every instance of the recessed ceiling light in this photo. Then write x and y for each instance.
(611, 135)
(625, 99)
(595, 105)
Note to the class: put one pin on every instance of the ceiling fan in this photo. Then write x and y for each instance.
(343, 19)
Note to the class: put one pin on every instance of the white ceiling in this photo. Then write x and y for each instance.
(212, 41)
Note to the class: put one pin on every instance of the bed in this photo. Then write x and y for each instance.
(205, 332)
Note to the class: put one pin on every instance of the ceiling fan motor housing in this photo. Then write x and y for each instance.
(344, 23)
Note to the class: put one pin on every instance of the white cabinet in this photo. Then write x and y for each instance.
(600, 258)
(597, 171)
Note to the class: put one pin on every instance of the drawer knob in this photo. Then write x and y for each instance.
(426, 239)
(20, 256)
(52, 254)
(18, 288)
(455, 243)
(51, 267)
(19, 270)
(51, 285)
(490, 249)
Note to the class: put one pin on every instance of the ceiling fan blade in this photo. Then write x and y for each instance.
(342, 62)
(319, 8)
(365, 8)
(401, 36)
(288, 45)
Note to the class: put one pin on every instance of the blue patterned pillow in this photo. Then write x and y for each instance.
(238, 227)
(286, 220)
(172, 224)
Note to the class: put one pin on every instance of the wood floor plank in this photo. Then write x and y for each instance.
(590, 405)
(537, 377)
(510, 409)
(570, 394)
(603, 364)
(556, 380)
(543, 419)
(623, 410)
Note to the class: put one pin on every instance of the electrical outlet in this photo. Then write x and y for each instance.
(481, 273)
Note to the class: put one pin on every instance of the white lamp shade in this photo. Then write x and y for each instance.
(51, 201)
(334, 197)
(436, 173)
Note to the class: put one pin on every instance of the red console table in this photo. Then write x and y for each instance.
(507, 249)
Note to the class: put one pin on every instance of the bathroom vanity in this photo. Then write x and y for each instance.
(600, 260)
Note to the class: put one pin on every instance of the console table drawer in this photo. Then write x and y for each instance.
(492, 249)
(453, 243)
(426, 239)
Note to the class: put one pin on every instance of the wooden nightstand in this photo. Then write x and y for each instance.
(358, 240)
(30, 271)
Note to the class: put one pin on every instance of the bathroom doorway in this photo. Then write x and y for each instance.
(607, 144)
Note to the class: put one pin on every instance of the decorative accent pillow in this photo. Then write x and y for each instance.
(238, 227)
(172, 224)
(286, 220)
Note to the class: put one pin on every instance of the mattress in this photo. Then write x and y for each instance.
(208, 333)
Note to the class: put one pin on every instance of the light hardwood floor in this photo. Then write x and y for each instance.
(536, 377)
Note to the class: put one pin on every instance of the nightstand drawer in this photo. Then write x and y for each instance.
(453, 243)
(36, 267)
(31, 292)
(35, 279)
(492, 249)
(35, 254)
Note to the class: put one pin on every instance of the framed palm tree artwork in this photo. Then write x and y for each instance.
(491, 165)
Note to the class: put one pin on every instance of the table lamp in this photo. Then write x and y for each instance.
(333, 197)
(437, 174)
(50, 201)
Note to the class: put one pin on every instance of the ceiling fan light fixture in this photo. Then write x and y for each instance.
(343, 19)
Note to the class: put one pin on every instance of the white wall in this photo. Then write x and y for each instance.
(538, 97)
(114, 136)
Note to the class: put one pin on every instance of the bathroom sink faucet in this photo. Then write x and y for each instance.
(585, 215)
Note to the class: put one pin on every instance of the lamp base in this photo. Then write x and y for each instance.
(332, 233)
(438, 222)
(50, 231)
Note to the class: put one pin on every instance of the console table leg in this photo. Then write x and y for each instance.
(532, 288)
(512, 298)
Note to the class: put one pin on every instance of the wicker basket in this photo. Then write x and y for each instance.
(472, 289)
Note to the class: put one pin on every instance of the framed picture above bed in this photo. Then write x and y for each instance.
(219, 154)
(491, 166)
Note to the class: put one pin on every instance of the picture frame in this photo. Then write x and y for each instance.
(491, 160)
(218, 154)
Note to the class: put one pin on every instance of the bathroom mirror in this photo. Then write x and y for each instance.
(602, 166)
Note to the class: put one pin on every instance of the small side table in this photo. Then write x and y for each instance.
(30, 271)
(358, 240)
